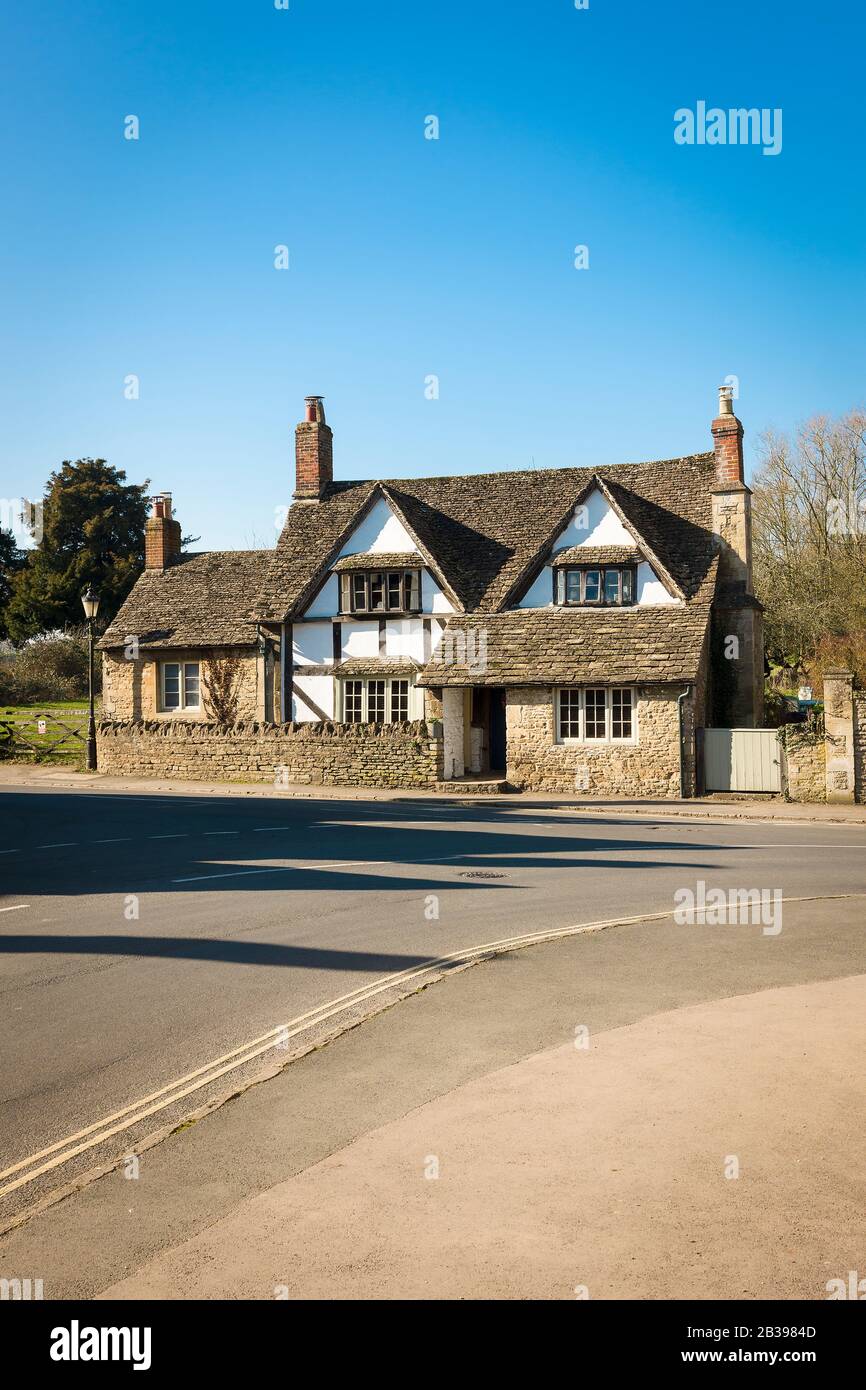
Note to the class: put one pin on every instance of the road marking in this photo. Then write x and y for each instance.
(17, 908)
(175, 1091)
(440, 858)
(181, 836)
(59, 844)
(10, 851)
(220, 832)
(121, 840)
(793, 846)
(340, 864)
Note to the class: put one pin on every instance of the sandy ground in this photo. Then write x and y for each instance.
(599, 1172)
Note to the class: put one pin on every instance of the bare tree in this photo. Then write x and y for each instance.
(222, 688)
(809, 512)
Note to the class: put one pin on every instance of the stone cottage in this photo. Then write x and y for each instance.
(560, 629)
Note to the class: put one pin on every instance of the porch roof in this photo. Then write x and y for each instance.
(572, 646)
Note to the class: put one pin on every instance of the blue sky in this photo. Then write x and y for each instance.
(411, 257)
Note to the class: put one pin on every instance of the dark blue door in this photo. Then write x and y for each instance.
(497, 730)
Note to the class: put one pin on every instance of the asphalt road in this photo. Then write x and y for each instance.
(141, 937)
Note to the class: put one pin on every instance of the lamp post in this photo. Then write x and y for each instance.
(90, 603)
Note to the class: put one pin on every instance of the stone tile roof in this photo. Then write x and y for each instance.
(370, 666)
(407, 559)
(597, 555)
(311, 538)
(200, 601)
(572, 646)
(484, 536)
(486, 531)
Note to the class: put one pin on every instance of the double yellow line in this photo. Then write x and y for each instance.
(27, 1170)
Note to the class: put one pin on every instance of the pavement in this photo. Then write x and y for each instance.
(714, 807)
(615, 1172)
(390, 969)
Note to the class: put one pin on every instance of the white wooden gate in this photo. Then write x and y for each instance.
(742, 760)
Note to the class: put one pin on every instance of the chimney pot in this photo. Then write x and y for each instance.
(728, 442)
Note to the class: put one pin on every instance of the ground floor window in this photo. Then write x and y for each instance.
(179, 685)
(380, 700)
(596, 714)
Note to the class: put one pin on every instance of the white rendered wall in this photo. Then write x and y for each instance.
(650, 589)
(432, 598)
(320, 690)
(312, 644)
(379, 532)
(404, 638)
(360, 639)
(326, 604)
(594, 523)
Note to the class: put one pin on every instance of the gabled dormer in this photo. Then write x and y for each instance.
(596, 559)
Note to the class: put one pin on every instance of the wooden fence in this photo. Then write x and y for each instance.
(43, 735)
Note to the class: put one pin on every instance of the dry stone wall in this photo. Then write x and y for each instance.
(338, 755)
(860, 746)
(804, 765)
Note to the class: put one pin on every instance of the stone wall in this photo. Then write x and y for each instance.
(130, 688)
(839, 736)
(804, 767)
(338, 755)
(649, 767)
(860, 746)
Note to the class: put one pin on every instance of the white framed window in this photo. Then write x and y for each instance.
(377, 700)
(596, 714)
(179, 685)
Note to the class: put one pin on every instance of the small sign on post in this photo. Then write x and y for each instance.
(42, 726)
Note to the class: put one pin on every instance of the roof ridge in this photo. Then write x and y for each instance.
(707, 456)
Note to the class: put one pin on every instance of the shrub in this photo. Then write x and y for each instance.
(52, 666)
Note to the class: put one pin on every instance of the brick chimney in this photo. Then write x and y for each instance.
(314, 452)
(737, 700)
(728, 440)
(161, 534)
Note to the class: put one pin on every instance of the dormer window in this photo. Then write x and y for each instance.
(595, 585)
(380, 591)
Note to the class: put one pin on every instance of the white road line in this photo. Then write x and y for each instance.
(121, 840)
(17, 908)
(60, 844)
(10, 851)
(220, 832)
(181, 836)
(344, 864)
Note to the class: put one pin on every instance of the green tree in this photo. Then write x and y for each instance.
(12, 560)
(92, 531)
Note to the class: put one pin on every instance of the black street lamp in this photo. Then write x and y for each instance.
(90, 603)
